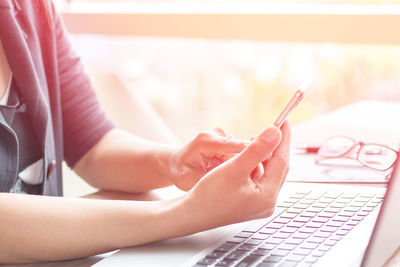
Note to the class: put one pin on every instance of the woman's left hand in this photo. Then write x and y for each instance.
(202, 154)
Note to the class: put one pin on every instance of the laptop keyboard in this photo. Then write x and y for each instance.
(308, 224)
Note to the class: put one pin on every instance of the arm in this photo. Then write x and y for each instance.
(123, 162)
(227, 194)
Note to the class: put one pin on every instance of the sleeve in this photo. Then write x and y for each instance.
(84, 123)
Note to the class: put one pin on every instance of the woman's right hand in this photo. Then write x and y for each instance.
(229, 194)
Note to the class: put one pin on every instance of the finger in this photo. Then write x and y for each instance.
(257, 173)
(222, 145)
(275, 169)
(256, 151)
(219, 131)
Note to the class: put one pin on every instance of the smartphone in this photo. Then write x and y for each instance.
(293, 102)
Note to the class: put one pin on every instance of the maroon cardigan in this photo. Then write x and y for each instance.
(59, 96)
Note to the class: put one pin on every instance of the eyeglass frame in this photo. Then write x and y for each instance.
(361, 145)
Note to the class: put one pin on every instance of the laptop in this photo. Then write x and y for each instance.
(313, 225)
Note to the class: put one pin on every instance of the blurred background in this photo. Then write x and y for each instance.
(192, 84)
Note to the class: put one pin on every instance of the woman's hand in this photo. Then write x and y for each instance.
(229, 194)
(202, 154)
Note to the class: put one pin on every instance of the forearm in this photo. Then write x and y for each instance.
(37, 228)
(124, 162)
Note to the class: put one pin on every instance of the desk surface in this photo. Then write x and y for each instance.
(367, 121)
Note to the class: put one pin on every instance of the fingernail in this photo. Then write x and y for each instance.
(270, 135)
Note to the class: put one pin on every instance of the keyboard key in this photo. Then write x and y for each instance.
(243, 234)
(343, 200)
(295, 211)
(320, 219)
(260, 236)
(255, 226)
(297, 196)
(287, 263)
(268, 231)
(337, 205)
(333, 194)
(326, 200)
(235, 255)
(284, 205)
(346, 214)
(225, 263)
(225, 247)
(304, 264)
(352, 209)
(311, 260)
(328, 229)
(357, 204)
(376, 201)
(303, 191)
(314, 225)
(336, 237)
(300, 206)
(266, 264)
(302, 219)
(307, 230)
(288, 230)
(314, 210)
(352, 223)
(302, 251)
(371, 205)
(363, 200)
(215, 255)
(273, 240)
(280, 252)
(254, 242)
(341, 233)
(357, 218)
(310, 246)
(326, 214)
(248, 261)
(267, 246)
(288, 215)
(330, 242)
(282, 235)
(261, 252)
(282, 220)
(349, 195)
(274, 225)
(332, 210)
(367, 209)
(246, 247)
(295, 224)
(287, 247)
(308, 214)
(273, 259)
(206, 261)
(324, 248)
(340, 219)
(367, 195)
(317, 240)
(294, 241)
(320, 205)
(306, 201)
(334, 224)
(322, 234)
(315, 195)
(300, 235)
(317, 253)
(236, 240)
(362, 213)
(295, 257)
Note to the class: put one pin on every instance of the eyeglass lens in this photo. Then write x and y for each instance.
(377, 156)
(336, 146)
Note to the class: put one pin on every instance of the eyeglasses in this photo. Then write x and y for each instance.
(375, 156)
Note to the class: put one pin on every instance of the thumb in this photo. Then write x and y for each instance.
(257, 151)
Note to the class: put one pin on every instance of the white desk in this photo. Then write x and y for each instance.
(367, 121)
